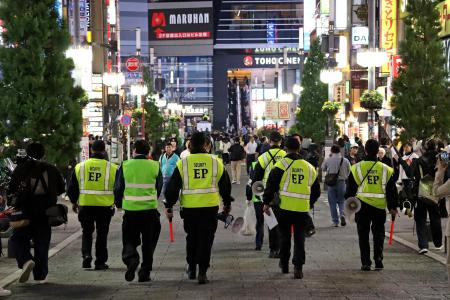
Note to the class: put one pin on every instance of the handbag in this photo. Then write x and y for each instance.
(57, 215)
(331, 179)
(426, 188)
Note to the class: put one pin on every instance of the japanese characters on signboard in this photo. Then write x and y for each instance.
(283, 110)
(271, 111)
(180, 24)
(388, 29)
(339, 92)
(443, 9)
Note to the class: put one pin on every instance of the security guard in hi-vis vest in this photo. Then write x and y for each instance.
(372, 182)
(90, 190)
(202, 181)
(137, 188)
(257, 204)
(296, 182)
(264, 165)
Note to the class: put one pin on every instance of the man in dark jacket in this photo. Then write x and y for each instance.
(35, 185)
(421, 167)
(237, 154)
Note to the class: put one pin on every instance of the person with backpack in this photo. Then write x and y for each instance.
(90, 191)
(338, 169)
(373, 184)
(35, 186)
(422, 168)
(264, 165)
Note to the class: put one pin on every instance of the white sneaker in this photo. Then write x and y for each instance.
(43, 281)
(441, 248)
(4, 292)
(26, 270)
(233, 182)
(423, 251)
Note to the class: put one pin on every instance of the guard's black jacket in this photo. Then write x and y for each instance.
(176, 183)
(391, 189)
(119, 184)
(273, 183)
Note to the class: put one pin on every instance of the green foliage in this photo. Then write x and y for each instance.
(37, 95)
(153, 117)
(331, 107)
(311, 121)
(421, 105)
(371, 100)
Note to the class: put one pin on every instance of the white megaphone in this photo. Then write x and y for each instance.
(407, 209)
(258, 188)
(352, 206)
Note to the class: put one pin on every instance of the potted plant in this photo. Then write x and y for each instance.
(371, 100)
(331, 108)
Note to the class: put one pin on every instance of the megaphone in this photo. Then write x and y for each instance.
(352, 206)
(258, 188)
(228, 220)
(407, 209)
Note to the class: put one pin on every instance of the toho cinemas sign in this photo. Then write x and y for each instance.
(180, 24)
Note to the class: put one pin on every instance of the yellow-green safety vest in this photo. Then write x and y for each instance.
(140, 184)
(96, 182)
(295, 185)
(200, 174)
(266, 162)
(373, 190)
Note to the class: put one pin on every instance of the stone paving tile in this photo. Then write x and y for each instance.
(239, 272)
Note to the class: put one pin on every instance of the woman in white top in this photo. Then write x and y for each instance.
(408, 157)
(225, 145)
(250, 149)
(186, 151)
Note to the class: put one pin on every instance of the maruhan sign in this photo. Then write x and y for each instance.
(263, 61)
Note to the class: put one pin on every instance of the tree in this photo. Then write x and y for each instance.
(153, 117)
(420, 101)
(311, 121)
(37, 94)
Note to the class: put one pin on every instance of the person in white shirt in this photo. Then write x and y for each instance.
(250, 149)
(186, 151)
(225, 145)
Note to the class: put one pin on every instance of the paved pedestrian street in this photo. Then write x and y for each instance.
(332, 269)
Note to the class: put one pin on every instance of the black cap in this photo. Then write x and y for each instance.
(36, 150)
(275, 136)
(98, 146)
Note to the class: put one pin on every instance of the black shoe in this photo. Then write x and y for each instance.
(131, 270)
(274, 254)
(310, 232)
(298, 272)
(379, 265)
(258, 248)
(191, 272)
(343, 223)
(87, 262)
(143, 276)
(202, 279)
(284, 268)
(101, 267)
(365, 268)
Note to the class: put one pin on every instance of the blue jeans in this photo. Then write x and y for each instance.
(336, 199)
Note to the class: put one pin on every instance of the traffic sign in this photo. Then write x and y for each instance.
(125, 120)
(132, 64)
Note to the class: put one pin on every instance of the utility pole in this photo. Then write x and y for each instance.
(372, 41)
(138, 54)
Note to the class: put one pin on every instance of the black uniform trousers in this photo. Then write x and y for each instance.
(91, 217)
(420, 216)
(368, 218)
(200, 225)
(274, 233)
(140, 226)
(286, 219)
(259, 239)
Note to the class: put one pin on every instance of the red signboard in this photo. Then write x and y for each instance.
(132, 64)
(396, 62)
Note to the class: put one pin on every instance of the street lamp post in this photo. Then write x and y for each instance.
(371, 58)
(330, 77)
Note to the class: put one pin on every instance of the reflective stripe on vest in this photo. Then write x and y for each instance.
(140, 184)
(204, 191)
(91, 194)
(295, 188)
(369, 190)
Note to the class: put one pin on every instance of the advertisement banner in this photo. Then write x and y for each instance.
(388, 29)
(271, 112)
(283, 111)
(444, 8)
(180, 24)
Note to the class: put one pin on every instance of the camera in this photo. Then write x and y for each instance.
(444, 157)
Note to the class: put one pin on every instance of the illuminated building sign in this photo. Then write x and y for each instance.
(388, 28)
